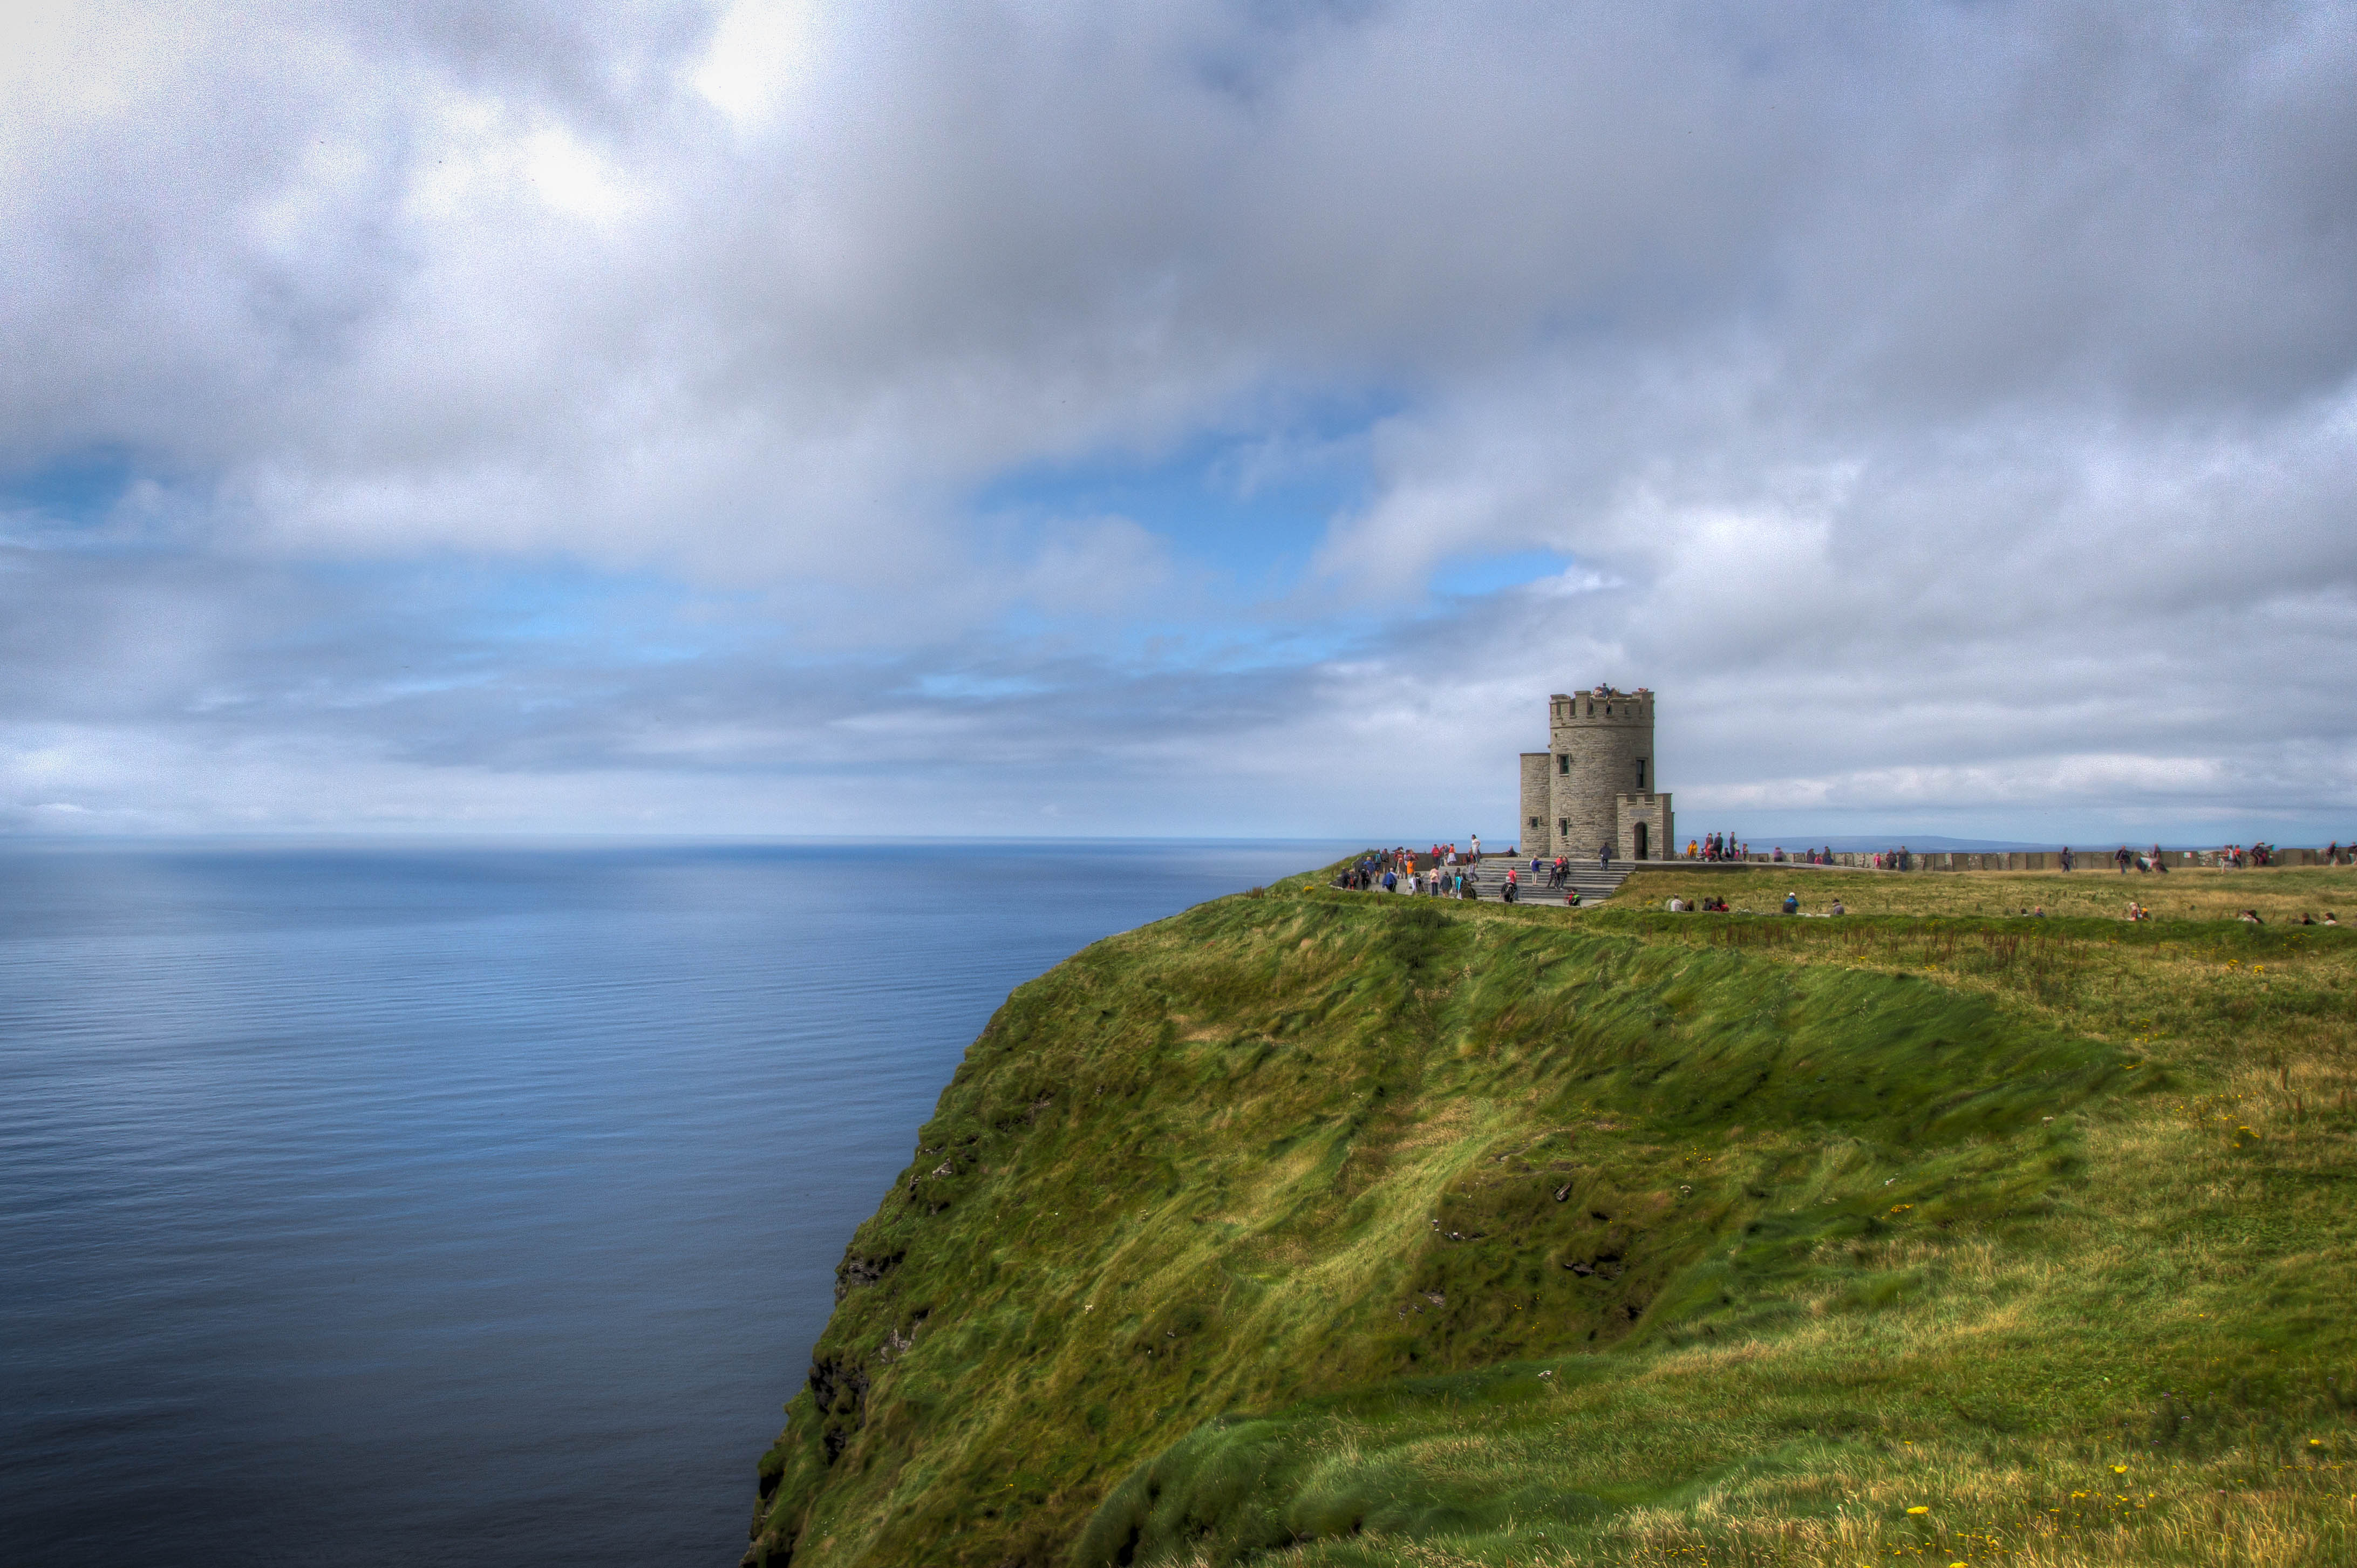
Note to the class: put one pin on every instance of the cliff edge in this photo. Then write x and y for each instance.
(1329, 1228)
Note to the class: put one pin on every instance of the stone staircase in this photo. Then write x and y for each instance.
(1592, 880)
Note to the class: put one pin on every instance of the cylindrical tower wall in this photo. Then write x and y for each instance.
(1602, 747)
(1535, 803)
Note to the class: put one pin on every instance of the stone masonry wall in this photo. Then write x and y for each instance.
(1597, 741)
(2086, 859)
(1531, 828)
(1661, 827)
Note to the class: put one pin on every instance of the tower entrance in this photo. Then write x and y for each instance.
(1642, 851)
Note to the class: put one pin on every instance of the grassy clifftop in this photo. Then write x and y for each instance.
(1347, 1228)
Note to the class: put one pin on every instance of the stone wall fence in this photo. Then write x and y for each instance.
(2090, 859)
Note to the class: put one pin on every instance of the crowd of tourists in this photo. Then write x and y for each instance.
(1439, 872)
(1444, 872)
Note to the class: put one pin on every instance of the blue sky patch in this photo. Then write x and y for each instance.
(1252, 508)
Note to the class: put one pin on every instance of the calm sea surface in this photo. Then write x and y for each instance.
(400, 1206)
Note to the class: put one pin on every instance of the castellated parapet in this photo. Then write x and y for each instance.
(1595, 786)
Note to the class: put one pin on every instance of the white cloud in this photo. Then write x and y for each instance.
(1943, 395)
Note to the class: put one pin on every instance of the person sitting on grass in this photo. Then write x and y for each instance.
(1792, 903)
(2250, 917)
(1837, 908)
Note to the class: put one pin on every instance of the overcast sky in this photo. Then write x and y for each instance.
(1175, 419)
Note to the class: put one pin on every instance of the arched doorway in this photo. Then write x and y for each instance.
(1642, 852)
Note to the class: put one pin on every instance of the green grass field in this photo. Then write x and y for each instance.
(1320, 1228)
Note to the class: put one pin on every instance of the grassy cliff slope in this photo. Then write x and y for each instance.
(1334, 1228)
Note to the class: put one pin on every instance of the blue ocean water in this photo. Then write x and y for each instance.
(469, 1206)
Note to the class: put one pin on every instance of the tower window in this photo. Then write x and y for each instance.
(1563, 827)
(1641, 776)
(1563, 762)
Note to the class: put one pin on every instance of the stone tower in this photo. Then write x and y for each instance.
(1594, 785)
